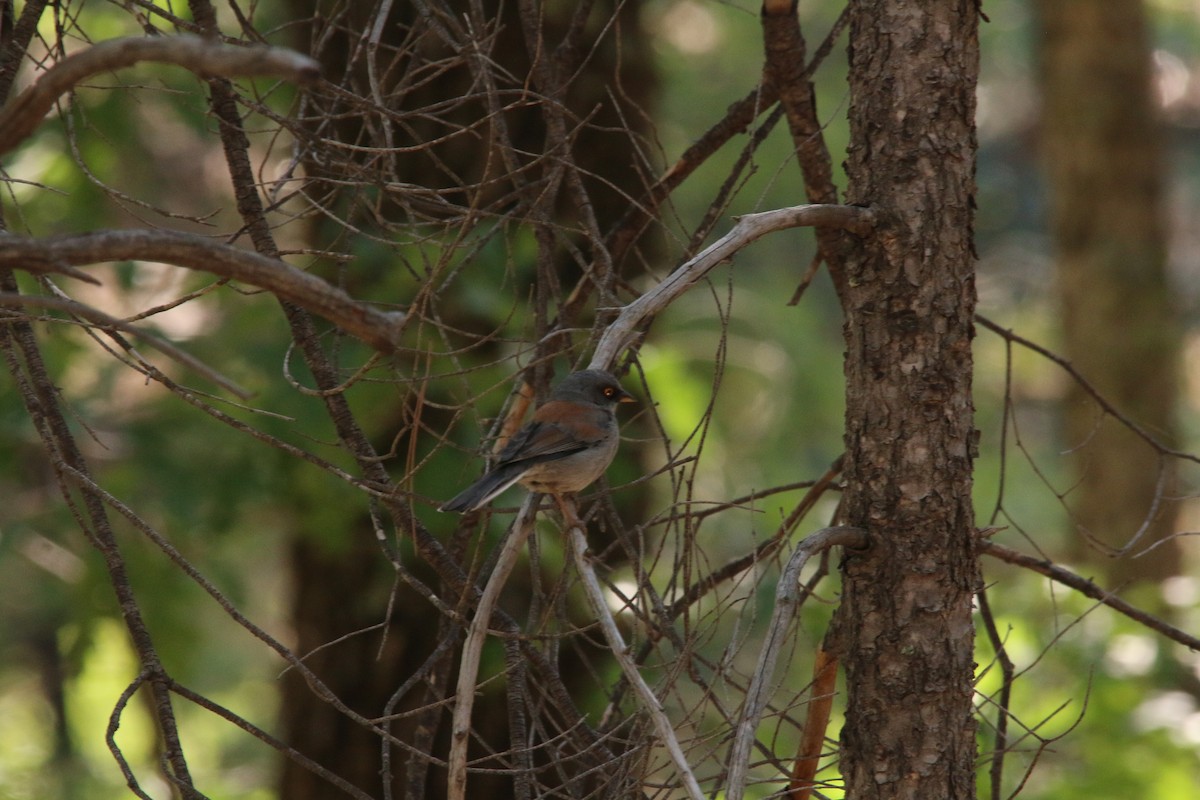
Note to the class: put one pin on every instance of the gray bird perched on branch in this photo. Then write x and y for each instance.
(569, 443)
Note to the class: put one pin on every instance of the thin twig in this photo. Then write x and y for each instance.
(110, 735)
(1089, 589)
(996, 773)
(104, 321)
(258, 733)
(761, 551)
(729, 570)
(1009, 336)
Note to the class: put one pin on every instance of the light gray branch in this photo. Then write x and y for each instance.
(468, 670)
(577, 538)
(787, 597)
(748, 228)
(380, 329)
(204, 57)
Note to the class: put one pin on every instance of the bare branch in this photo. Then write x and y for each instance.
(468, 670)
(1089, 589)
(380, 329)
(1004, 703)
(812, 739)
(785, 54)
(110, 735)
(205, 57)
(747, 229)
(258, 733)
(39, 395)
(616, 644)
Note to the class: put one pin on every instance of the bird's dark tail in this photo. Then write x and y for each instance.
(482, 491)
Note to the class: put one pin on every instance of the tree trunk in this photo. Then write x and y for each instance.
(1103, 155)
(904, 629)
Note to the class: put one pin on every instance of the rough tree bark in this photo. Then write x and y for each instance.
(1102, 145)
(904, 629)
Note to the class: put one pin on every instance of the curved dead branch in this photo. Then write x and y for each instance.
(748, 228)
(204, 57)
(380, 329)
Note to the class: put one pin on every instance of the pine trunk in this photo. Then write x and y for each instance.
(904, 631)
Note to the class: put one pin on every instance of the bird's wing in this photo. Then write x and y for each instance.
(558, 429)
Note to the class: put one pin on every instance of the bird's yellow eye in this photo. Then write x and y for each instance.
(609, 391)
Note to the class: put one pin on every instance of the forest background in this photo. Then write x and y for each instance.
(1113, 709)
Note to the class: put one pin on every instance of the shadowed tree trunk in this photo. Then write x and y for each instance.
(1103, 158)
(904, 630)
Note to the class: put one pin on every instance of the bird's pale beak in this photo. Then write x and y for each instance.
(626, 397)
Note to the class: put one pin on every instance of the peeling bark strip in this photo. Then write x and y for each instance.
(904, 631)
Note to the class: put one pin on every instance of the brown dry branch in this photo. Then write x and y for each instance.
(785, 53)
(1089, 588)
(380, 329)
(206, 57)
(812, 741)
(16, 40)
(737, 120)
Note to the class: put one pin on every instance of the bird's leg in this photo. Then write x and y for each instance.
(566, 505)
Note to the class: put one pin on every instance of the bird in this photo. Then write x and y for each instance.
(570, 441)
